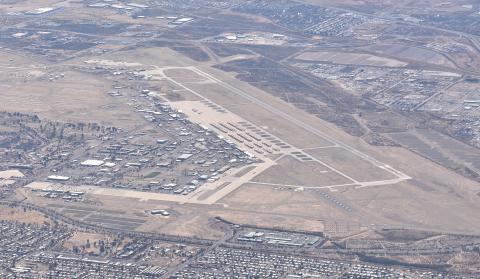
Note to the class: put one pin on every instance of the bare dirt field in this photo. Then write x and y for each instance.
(408, 53)
(149, 56)
(77, 97)
(185, 75)
(217, 93)
(19, 215)
(270, 220)
(351, 58)
(346, 162)
(171, 91)
(292, 206)
(414, 204)
(290, 171)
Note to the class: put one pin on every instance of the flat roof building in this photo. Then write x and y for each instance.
(92, 163)
(58, 178)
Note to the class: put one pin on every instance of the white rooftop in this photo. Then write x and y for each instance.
(58, 177)
(40, 11)
(92, 163)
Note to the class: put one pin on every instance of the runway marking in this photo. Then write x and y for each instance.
(320, 147)
(304, 186)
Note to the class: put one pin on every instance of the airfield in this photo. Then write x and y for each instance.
(318, 158)
(309, 175)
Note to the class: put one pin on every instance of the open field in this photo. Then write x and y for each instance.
(77, 97)
(406, 53)
(409, 204)
(440, 148)
(351, 58)
(291, 171)
(16, 214)
(356, 167)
